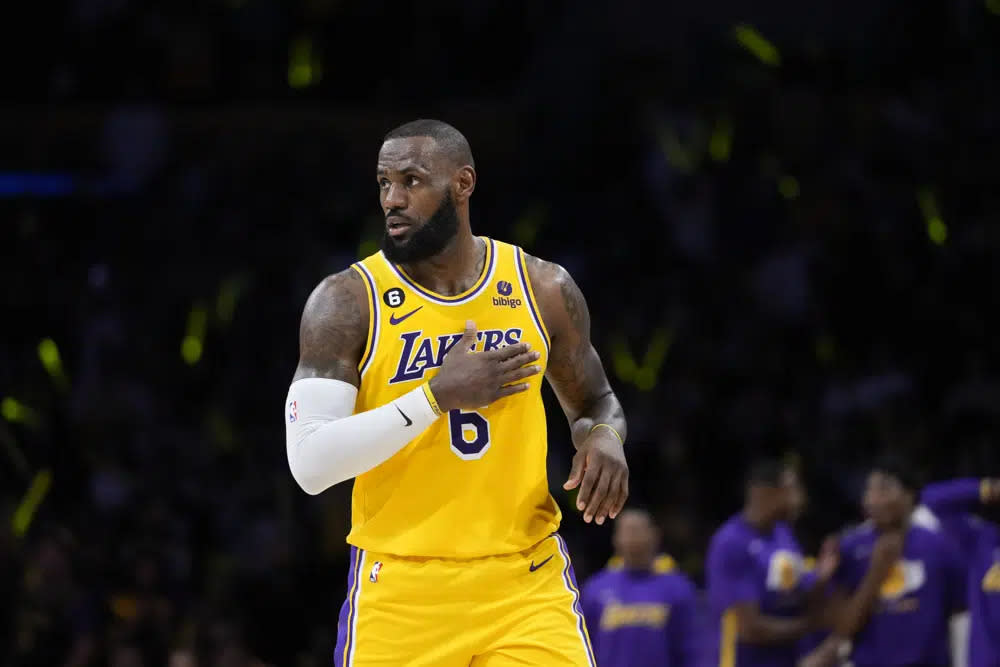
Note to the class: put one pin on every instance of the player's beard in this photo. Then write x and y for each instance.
(428, 239)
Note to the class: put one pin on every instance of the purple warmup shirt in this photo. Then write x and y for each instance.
(744, 565)
(909, 625)
(979, 543)
(641, 619)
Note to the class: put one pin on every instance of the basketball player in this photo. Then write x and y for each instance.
(641, 610)
(898, 582)
(762, 599)
(419, 375)
(957, 502)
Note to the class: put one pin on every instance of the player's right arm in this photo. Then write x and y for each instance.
(956, 503)
(817, 582)
(853, 610)
(732, 588)
(755, 627)
(853, 600)
(326, 441)
(960, 496)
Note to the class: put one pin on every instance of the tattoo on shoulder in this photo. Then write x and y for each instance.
(546, 276)
(334, 329)
(574, 370)
(576, 306)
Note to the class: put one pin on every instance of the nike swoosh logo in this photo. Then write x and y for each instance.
(409, 421)
(396, 320)
(533, 567)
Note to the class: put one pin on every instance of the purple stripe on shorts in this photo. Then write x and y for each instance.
(346, 612)
(569, 578)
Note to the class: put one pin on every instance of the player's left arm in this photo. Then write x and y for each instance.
(576, 374)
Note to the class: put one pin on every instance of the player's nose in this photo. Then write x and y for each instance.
(395, 197)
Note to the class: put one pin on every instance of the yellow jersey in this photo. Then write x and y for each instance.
(474, 483)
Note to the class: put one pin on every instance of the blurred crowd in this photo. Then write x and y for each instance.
(787, 248)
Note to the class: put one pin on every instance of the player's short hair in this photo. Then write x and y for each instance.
(452, 142)
(899, 468)
(640, 508)
(766, 472)
(645, 512)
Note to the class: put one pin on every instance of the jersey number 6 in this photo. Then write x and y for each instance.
(470, 434)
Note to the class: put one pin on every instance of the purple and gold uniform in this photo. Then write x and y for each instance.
(456, 530)
(745, 565)
(979, 542)
(642, 619)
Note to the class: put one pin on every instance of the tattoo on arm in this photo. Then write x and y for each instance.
(334, 329)
(574, 379)
(574, 369)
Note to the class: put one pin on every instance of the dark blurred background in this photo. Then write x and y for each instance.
(784, 217)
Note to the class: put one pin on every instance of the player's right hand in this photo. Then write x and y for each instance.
(991, 490)
(471, 380)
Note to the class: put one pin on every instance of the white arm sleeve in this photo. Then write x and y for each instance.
(328, 444)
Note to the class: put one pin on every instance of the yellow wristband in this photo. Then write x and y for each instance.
(430, 398)
(612, 429)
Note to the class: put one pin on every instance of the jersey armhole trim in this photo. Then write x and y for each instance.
(373, 319)
(529, 294)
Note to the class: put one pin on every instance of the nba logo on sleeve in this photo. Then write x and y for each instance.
(376, 568)
(293, 412)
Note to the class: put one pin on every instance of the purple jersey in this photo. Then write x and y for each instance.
(909, 624)
(743, 566)
(979, 543)
(637, 619)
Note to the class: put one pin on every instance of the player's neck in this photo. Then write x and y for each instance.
(899, 526)
(453, 270)
(758, 519)
(642, 565)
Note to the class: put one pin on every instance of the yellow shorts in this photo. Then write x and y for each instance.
(520, 609)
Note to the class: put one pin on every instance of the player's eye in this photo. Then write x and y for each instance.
(411, 181)
(383, 183)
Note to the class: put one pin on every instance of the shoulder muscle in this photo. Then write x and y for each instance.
(562, 305)
(334, 329)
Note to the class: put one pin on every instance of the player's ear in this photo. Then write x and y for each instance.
(464, 183)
